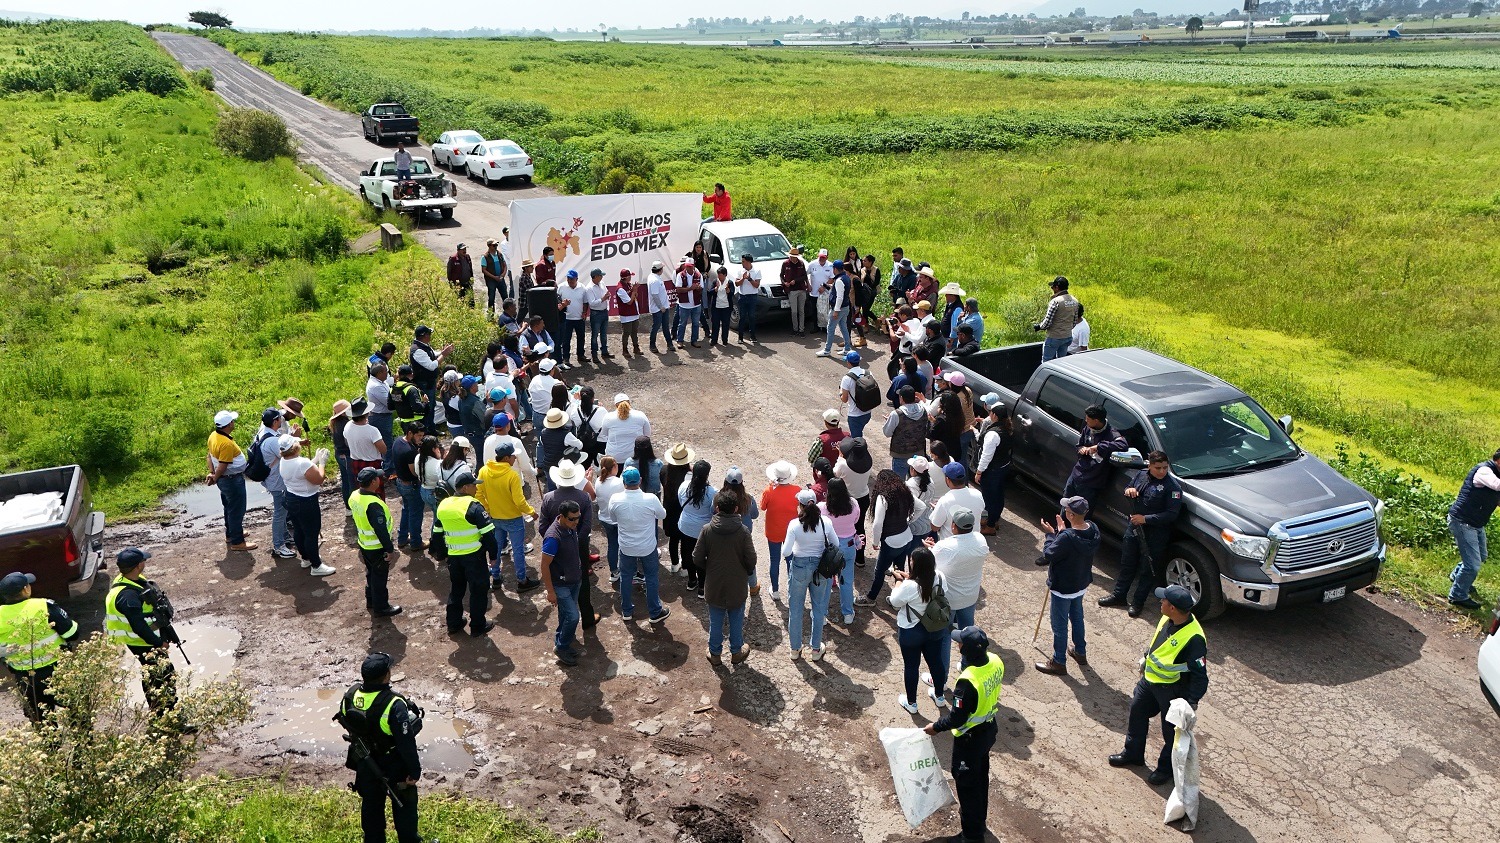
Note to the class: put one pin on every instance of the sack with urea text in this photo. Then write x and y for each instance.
(866, 392)
(920, 787)
(256, 467)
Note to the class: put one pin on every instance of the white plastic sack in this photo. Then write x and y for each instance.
(920, 786)
(1183, 802)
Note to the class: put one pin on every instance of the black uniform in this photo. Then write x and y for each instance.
(470, 573)
(393, 760)
(1161, 502)
(158, 676)
(36, 691)
(1152, 700)
(971, 759)
(377, 569)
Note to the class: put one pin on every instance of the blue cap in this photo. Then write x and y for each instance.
(572, 273)
(468, 381)
(501, 420)
(632, 476)
(838, 264)
(498, 393)
(131, 557)
(505, 449)
(13, 584)
(971, 638)
(955, 471)
(852, 358)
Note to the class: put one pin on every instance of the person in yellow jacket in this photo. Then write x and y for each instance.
(505, 500)
(33, 633)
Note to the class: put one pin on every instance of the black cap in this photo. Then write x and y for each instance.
(1178, 596)
(597, 272)
(464, 478)
(11, 586)
(422, 331)
(269, 416)
(131, 557)
(367, 475)
(375, 667)
(971, 638)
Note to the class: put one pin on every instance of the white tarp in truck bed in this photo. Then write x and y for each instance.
(31, 510)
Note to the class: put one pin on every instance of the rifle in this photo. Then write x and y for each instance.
(364, 758)
(164, 614)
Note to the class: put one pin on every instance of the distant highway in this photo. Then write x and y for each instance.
(332, 141)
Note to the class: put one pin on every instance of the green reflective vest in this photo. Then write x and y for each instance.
(1159, 666)
(359, 506)
(116, 626)
(986, 680)
(28, 640)
(359, 702)
(453, 525)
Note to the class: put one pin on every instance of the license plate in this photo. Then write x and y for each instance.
(515, 164)
(1333, 594)
(786, 304)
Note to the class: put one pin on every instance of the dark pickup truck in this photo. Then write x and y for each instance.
(1264, 524)
(48, 527)
(385, 121)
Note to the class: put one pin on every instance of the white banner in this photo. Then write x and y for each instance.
(611, 232)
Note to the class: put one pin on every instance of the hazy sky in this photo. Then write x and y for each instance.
(583, 14)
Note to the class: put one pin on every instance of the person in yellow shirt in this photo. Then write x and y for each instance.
(226, 470)
(504, 499)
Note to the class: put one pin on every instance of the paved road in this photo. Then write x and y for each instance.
(332, 141)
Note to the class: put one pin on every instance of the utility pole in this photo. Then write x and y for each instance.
(1250, 7)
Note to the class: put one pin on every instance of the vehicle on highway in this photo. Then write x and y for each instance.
(497, 160)
(725, 242)
(1489, 662)
(1264, 524)
(49, 528)
(426, 190)
(389, 121)
(448, 150)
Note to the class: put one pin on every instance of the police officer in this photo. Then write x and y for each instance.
(408, 401)
(32, 632)
(383, 728)
(1158, 501)
(131, 618)
(372, 519)
(469, 536)
(971, 718)
(1172, 667)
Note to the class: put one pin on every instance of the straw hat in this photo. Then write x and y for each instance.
(680, 454)
(927, 271)
(781, 471)
(555, 418)
(567, 474)
(951, 289)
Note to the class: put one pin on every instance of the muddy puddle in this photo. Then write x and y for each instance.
(200, 501)
(300, 721)
(210, 653)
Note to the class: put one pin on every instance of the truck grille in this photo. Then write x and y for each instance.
(1326, 539)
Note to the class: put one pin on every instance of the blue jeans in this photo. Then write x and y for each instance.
(857, 425)
(961, 619)
(409, 530)
(749, 307)
(846, 578)
(612, 547)
(900, 466)
(598, 332)
(1053, 349)
(232, 496)
(917, 645)
(804, 584)
(278, 520)
(651, 566)
(661, 321)
(718, 325)
(776, 564)
(992, 488)
(685, 317)
(572, 329)
(836, 322)
(567, 616)
(1065, 610)
(889, 556)
(515, 533)
(1473, 550)
(430, 502)
(716, 617)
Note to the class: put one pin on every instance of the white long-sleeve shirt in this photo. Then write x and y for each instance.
(901, 538)
(987, 449)
(800, 542)
(656, 293)
(523, 462)
(906, 599)
(1486, 477)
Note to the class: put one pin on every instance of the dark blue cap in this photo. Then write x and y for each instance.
(13, 583)
(131, 557)
(971, 638)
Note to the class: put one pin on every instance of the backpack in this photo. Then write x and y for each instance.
(831, 560)
(938, 615)
(256, 467)
(589, 437)
(866, 392)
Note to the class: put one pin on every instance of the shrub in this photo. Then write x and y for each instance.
(203, 78)
(409, 290)
(782, 210)
(305, 289)
(626, 166)
(254, 135)
(96, 769)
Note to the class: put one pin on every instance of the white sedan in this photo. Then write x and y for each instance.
(1489, 662)
(492, 161)
(449, 149)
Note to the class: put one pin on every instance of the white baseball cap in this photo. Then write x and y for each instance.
(224, 417)
(547, 364)
(822, 253)
(831, 416)
(620, 397)
(286, 441)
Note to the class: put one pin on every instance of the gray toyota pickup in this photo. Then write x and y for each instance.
(1264, 524)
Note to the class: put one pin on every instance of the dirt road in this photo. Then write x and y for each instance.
(1359, 721)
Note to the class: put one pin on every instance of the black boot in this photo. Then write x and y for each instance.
(1111, 600)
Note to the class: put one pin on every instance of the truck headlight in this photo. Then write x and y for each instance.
(1379, 514)
(1250, 547)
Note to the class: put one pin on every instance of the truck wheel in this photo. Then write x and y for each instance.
(385, 202)
(1189, 566)
(447, 213)
(734, 317)
(379, 137)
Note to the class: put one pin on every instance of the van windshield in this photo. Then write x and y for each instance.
(1227, 438)
(760, 247)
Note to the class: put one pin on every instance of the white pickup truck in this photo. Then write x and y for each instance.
(425, 190)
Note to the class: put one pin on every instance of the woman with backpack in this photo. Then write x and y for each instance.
(587, 418)
(891, 525)
(806, 538)
(923, 618)
(455, 462)
(696, 497)
(844, 512)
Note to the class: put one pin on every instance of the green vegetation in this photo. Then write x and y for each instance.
(253, 135)
(98, 59)
(153, 279)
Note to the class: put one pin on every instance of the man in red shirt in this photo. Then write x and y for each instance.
(721, 202)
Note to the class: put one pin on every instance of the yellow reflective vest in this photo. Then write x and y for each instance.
(1159, 667)
(117, 626)
(986, 680)
(359, 507)
(453, 525)
(28, 639)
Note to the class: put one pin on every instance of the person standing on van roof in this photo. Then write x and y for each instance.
(1062, 315)
(723, 205)
(226, 470)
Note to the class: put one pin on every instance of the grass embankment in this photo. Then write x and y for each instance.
(152, 279)
(1315, 224)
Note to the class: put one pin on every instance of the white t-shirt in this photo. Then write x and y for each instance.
(906, 599)
(859, 484)
(540, 393)
(620, 434)
(603, 491)
(575, 297)
(1080, 337)
(656, 293)
(743, 280)
(294, 475)
(960, 559)
(966, 498)
(847, 385)
(818, 276)
(362, 439)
